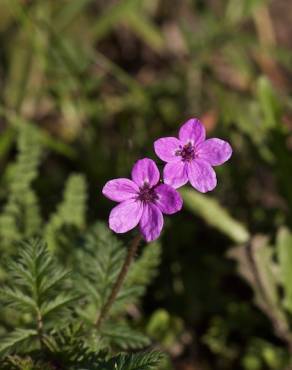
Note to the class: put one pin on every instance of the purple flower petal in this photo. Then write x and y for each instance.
(214, 151)
(192, 131)
(125, 216)
(169, 200)
(145, 171)
(175, 174)
(151, 222)
(120, 190)
(166, 147)
(201, 175)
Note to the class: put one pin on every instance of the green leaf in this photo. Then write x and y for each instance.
(135, 361)
(21, 214)
(237, 10)
(148, 32)
(99, 263)
(141, 273)
(59, 276)
(112, 16)
(284, 254)
(36, 285)
(145, 267)
(256, 264)
(67, 12)
(124, 337)
(60, 302)
(6, 141)
(15, 340)
(71, 212)
(215, 215)
(15, 298)
(263, 259)
(269, 103)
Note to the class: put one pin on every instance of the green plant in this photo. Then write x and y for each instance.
(57, 281)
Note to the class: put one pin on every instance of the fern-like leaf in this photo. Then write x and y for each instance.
(37, 287)
(16, 340)
(123, 337)
(99, 263)
(71, 212)
(21, 214)
(136, 361)
(140, 275)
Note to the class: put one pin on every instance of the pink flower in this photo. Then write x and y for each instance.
(142, 200)
(191, 157)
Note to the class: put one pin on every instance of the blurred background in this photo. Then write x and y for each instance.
(101, 80)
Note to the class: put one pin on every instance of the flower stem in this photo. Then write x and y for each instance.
(40, 326)
(119, 282)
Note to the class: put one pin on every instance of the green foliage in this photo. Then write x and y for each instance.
(100, 259)
(40, 293)
(99, 262)
(37, 291)
(269, 103)
(21, 214)
(143, 361)
(215, 215)
(42, 297)
(165, 328)
(139, 277)
(71, 211)
(265, 269)
(94, 83)
(258, 355)
(284, 254)
(90, 361)
(264, 354)
(16, 340)
(122, 336)
(216, 338)
(129, 12)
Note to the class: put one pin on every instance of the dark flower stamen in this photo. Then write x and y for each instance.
(187, 152)
(147, 194)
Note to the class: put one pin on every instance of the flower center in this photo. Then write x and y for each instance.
(187, 152)
(147, 194)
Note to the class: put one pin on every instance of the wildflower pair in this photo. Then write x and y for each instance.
(144, 199)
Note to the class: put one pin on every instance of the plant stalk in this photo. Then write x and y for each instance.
(40, 326)
(280, 325)
(119, 282)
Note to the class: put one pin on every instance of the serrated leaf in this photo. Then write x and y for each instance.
(141, 273)
(59, 276)
(137, 361)
(37, 284)
(71, 211)
(14, 297)
(100, 263)
(145, 267)
(123, 336)
(15, 339)
(60, 302)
